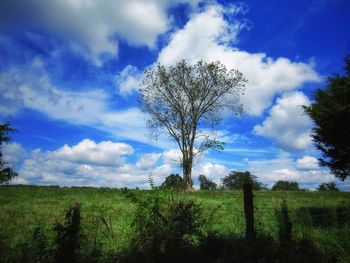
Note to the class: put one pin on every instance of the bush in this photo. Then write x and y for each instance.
(236, 180)
(173, 181)
(285, 185)
(327, 187)
(68, 239)
(206, 184)
(164, 226)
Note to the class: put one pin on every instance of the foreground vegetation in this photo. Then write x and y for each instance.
(118, 225)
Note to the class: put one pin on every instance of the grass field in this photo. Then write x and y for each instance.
(25, 208)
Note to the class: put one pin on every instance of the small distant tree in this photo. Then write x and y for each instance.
(173, 181)
(331, 114)
(327, 187)
(236, 180)
(6, 172)
(206, 184)
(285, 185)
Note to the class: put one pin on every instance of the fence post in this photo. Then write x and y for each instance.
(285, 225)
(249, 211)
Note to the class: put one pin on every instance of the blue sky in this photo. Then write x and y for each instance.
(69, 75)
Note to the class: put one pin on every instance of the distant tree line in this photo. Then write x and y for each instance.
(235, 181)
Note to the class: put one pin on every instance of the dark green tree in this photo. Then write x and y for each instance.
(236, 180)
(327, 187)
(285, 185)
(184, 98)
(331, 115)
(173, 181)
(6, 172)
(206, 184)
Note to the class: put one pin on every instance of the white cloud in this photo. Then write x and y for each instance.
(91, 164)
(287, 124)
(212, 171)
(308, 163)
(19, 180)
(29, 87)
(286, 169)
(128, 80)
(172, 157)
(88, 152)
(208, 36)
(148, 160)
(91, 23)
(13, 153)
(164, 170)
(106, 164)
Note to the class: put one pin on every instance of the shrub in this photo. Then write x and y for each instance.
(206, 184)
(285, 185)
(173, 181)
(327, 187)
(67, 239)
(164, 226)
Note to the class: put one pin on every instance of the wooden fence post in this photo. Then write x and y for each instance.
(249, 211)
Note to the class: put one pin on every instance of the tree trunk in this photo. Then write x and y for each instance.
(187, 169)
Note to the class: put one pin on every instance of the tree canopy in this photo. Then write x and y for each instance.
(184, 98)
(331, 115)
(6, 172)
(236, 180)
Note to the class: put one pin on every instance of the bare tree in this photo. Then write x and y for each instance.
(183, 98)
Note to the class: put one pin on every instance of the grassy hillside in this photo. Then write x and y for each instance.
(322, 217)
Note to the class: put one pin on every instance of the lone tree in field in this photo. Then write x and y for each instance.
(236, 180)
(183, 98)
(331, 115)
(6, 172)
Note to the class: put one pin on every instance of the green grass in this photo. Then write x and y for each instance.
(24, 208)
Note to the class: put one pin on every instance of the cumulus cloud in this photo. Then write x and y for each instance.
(91, 164)
(108, 164)
(285, 168)
(287, 124)
(88, 152)
(308, 163)
(172, 157)
(13, 153)
(208, 36)
(92, 24)
(212, 171)
(148, 160)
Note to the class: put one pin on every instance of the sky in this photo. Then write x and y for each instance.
(70, 72)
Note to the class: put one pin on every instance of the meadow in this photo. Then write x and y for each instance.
(108, 215)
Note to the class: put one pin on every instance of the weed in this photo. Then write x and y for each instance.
(67, 239)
